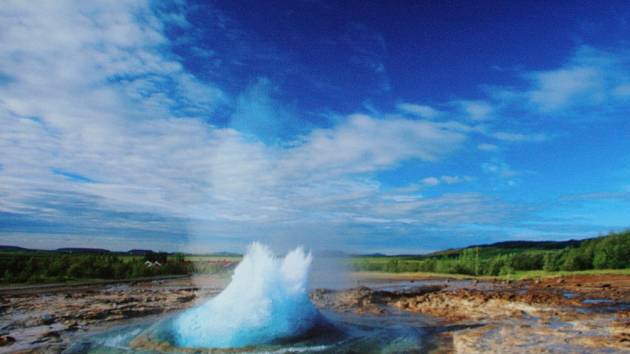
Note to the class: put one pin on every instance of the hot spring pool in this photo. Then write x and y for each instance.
(393, 333)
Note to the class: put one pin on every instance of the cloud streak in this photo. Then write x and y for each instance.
(97, 107)
(108, 136)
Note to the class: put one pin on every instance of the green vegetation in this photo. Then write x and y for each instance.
(518, 259)
(536, 274)
(20, 265)
(509, 258)
(46, 267)
(213, 258)
(213, 264)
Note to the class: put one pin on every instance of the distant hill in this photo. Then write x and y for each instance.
(513, 246)
(372, 255)
(490, 248)
(497, 247)
(88, 250)
(136, 252)
(330, 253)
(14, 248)
(82, 250)
(534, 244)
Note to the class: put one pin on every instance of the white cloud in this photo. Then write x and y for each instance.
(623, 90)
(501, 169)
(476, 110)
(456, 179)
(431, 181)
(519, 137)
(591, 78)
(434, 181)
(487, 147)
(95, 91)
(559, 88)
(364, 144)
(419, 110)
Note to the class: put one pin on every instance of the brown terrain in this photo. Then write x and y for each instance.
(577, 314)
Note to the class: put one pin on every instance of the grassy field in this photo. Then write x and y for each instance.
(533, 274)
(515, 276)
(211, 258)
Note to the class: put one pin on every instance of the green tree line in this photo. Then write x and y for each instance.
(606, 252)
(55, 267)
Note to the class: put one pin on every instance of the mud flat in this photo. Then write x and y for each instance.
(579, 314)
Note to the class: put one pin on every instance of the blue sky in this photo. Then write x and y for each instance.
(361, 126)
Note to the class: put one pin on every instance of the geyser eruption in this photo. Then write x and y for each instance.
(266, 301)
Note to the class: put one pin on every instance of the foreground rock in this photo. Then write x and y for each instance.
(47, 323)
(572, 314)
(365, 300)
(507, 318)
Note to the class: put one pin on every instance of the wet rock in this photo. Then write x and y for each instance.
(52, 334)
(47, 319)
(116, 317)
(71, 326)
(186, 298)
(6, 340)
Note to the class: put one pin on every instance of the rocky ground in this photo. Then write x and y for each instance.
(46, 322)
(572, 314)
(581, 314)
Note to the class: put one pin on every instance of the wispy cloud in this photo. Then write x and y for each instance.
(434, 181)
(501, 169)
(368, 51)
(582, 81)
(107, 133)
(591, 78)
(476, 110)
(419, 110)
(118, 123)
(487, 147)
(519, 137)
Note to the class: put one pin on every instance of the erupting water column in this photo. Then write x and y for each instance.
(267, 300)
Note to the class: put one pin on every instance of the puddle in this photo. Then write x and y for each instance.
(597, 301)
(569, 295)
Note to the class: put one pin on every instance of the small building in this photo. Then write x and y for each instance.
(150, 264)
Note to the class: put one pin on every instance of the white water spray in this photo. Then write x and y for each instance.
(266, 300)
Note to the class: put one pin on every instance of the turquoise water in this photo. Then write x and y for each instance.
(334, 333)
